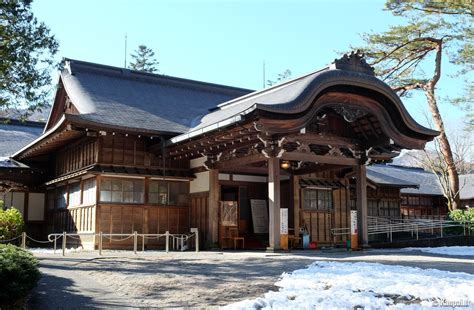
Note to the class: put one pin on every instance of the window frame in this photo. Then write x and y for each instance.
(181, 185)
(120, 193)
(317, 192)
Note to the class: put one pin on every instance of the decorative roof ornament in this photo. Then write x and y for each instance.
(354, 62)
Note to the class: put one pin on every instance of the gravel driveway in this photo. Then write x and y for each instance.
(197, 280)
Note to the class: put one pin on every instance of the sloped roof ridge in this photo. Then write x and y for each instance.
(126, 73)
(271, 88)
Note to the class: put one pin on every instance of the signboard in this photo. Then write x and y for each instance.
(229, 213)
(353, 222)
(284, 221)
(259, 216)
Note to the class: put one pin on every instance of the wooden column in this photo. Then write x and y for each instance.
(214, 193)
(274, 203)
(361, 191)
(296, 204)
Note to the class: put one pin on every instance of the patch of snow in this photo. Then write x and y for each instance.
(446, 250)
(51, 251)
(334, 285)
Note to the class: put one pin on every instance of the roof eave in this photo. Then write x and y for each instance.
(62, 121)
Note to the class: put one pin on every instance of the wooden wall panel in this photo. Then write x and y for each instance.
(125, 219)
(199, 215)
(79, 219)
(76, 156)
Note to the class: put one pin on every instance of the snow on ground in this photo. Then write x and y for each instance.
(335, 285)
(51, 251)
(446, 250)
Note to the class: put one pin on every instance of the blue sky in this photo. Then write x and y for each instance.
(226, 42)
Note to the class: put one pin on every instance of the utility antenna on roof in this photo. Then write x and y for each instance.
(125, 61)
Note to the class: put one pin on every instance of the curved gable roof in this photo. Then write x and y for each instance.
(298, 96)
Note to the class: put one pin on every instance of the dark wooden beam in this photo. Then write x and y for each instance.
(240, 161)
(322, 159)
(312, 138)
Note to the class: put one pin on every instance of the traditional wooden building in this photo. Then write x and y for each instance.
(18, 181)
(423, 199)
(466, 183)
(126, 151)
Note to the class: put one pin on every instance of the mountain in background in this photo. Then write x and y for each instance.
(417, 158)
(37, 116)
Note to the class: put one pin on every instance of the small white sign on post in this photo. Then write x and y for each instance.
(353, 222)
(284, 221)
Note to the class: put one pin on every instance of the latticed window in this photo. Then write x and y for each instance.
(168, 193)
(121, 190)
(317, 199)
(88, 196)
(61, 197)
(74, 194)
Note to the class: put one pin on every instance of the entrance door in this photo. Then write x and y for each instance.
(317, 213)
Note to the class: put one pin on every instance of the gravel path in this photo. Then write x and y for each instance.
(202, 280)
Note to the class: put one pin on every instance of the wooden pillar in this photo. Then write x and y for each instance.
(296, 204)
(274, 203)
(214, 189)
(361, 191)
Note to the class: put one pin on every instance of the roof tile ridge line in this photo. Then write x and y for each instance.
(407, 167)
(58, 85)
(273, 87)
(149, 75)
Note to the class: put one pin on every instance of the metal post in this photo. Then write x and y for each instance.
(55, 238)
(100, 243)
(167, 236)
(416, 226)
(182, 243)
(441, 229)
(390, 233)
(196, 236)
(143, 243)
(23, 240)
(64, 243)
(134, 242)
(197, 241)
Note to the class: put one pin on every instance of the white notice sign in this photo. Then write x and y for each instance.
(259, 216)
(284, 221)
(353, 222)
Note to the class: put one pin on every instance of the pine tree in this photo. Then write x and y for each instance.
(144, 60)
(433, 30)
(285, 75)
(26, 57)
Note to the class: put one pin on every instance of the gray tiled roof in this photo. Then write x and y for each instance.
(466, 183)
(131, 99)
(6, 162)
(427, 181)
(15, 135)
(383, 179)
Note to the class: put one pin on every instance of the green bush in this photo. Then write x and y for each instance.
(18, 273)
(11, 223)
(463, 216)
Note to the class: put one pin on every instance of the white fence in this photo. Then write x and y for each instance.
(389, 226)
(172, 241)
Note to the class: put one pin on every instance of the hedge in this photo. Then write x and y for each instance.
(18, 273)
(11, 223)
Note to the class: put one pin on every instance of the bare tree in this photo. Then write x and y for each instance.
(434, 160)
